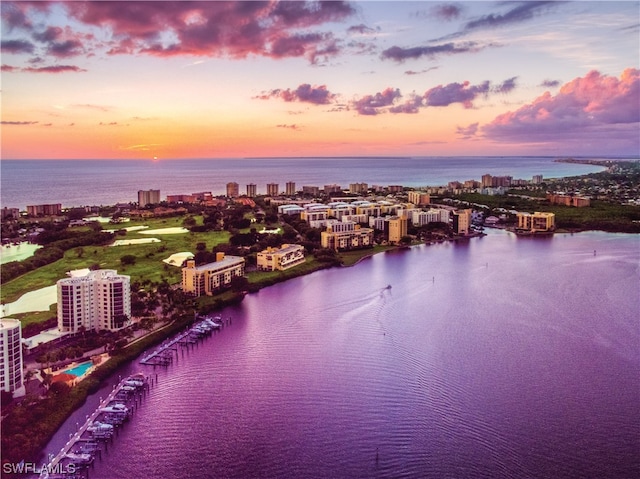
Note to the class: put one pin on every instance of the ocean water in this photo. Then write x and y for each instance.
(498, 357)
(106, 182)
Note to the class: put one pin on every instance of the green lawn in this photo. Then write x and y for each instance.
(148, 263)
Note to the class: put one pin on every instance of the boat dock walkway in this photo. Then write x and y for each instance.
(163, 355)
(80, 449)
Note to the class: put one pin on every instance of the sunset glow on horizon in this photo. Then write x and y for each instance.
(162, 80)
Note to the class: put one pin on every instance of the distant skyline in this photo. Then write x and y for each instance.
(259, 79)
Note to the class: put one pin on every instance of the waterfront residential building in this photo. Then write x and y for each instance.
(343, 236)
(397, 228)
(272, 189)
(94, 300)
(537, 179)
(233, 190)
(208, 278)
(462, 222)
(419, 198)
(11, 375)
(285, 257)
(421, 218)
(538, 222)
(290, 188)
(395, 188)
(252, 191)
(148, 197)
(44, 210)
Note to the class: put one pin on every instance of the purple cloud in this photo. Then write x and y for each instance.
(523, 11)
(49, 35)
(361, 29)
(411, 106)
(372, 104)
(506, 86)
(447, 12)
(317, 95)
(465, 93)
(46, 69)
(16, 46)
(467, 132)
(20, 123)
(550, 83)
(400, 54)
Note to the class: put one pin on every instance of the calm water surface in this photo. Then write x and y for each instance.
(107, 182)
(497, 357)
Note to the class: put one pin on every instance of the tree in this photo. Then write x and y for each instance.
(405, 240)
(128, 259)
(201, 246)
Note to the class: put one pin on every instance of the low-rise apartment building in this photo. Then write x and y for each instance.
(344, 236)
(283, 258)
(208, 278)
(538, 222)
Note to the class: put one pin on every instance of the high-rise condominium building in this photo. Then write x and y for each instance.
(148, 197)
(272, 189)
(11, 377)
(96, 300)
(233, 190)
(251, 190)
(290, 189)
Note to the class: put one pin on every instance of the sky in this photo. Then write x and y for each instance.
(182, 79)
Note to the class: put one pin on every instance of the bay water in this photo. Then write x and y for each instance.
(496, 357)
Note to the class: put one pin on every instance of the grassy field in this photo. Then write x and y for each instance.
(148, 264)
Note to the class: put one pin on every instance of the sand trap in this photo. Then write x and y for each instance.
(177, 259)
(269, 232)
(128, 228)
(104, 219)
(38, 300)
(17, 252)
(165, 231)
(135, 241)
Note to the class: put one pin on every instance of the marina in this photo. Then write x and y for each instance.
(82, 447)
(164, 354)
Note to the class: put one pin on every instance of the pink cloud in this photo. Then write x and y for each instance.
(234, 29)
(590, 107)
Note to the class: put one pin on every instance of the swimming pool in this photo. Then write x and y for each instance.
(79, 370)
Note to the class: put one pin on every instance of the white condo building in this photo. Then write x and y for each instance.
(95, 300)
(11, 376)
